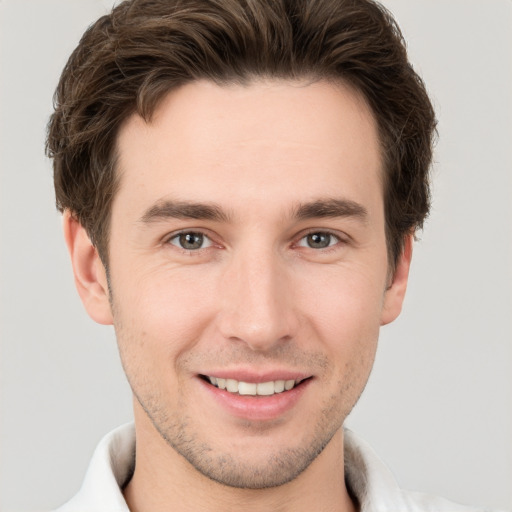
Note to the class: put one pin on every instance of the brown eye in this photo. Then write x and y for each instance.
(190, 241)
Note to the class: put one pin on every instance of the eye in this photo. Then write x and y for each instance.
(190, 241)
(318, 240)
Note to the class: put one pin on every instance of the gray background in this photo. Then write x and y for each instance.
(438, 405)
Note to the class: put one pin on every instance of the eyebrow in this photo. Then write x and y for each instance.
(327, 208)
(184, 210)
(321, 208)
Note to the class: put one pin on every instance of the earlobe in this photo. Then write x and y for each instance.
(90, 276)
(395, 294)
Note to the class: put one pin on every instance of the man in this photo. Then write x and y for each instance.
(241, 183)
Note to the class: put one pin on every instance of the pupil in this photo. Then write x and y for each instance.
(191, 240)
(319, 240)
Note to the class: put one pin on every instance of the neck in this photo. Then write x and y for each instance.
(164, 480)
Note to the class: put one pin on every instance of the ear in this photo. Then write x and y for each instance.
(395, 293)
(90, 275)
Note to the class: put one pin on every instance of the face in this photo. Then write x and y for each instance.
(249, 273)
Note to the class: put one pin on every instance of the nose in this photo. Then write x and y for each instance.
(256, 302)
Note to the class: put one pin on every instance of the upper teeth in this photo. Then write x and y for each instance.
(252, 388)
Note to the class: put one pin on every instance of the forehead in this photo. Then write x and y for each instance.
(269, 140)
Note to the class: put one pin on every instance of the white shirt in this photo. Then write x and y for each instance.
(370, 481)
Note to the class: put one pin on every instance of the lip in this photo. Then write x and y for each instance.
(256, 408)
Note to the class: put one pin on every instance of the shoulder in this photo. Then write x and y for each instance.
(376, 489)
(110, 468)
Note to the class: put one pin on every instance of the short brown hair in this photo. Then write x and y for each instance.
(127, 61)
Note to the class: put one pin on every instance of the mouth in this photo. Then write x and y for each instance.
(269, 388)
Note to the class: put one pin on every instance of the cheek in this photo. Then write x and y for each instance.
(158, 318)
(343, 300)
(344, 311)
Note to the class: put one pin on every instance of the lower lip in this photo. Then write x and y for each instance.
(257, 408)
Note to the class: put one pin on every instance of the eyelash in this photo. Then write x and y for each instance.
(177, 236)
(332, 246)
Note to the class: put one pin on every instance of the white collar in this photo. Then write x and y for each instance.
(367, 477)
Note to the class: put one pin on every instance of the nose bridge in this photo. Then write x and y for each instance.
(256, 305)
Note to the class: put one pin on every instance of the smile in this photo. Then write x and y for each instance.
(252, 388)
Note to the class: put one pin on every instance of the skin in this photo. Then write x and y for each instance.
(256, 297)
